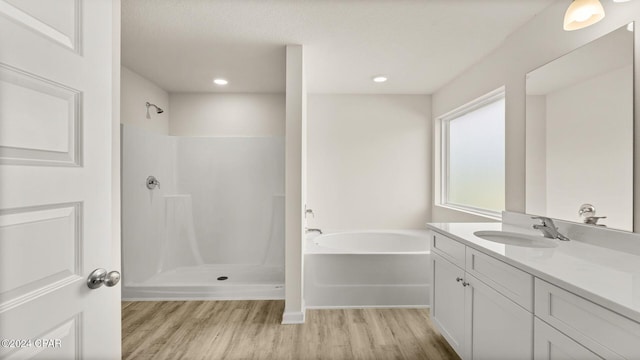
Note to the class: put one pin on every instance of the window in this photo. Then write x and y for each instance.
(472, 156)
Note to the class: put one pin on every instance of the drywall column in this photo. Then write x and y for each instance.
(295, 185)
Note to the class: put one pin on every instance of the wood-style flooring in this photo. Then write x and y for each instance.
(252, 330)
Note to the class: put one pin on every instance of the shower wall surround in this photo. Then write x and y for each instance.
(144, 153)
(220, 202)
(235, 184)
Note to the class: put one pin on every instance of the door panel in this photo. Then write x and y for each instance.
(56, 113)
(46, 238)
(40, 120)
(60, 23)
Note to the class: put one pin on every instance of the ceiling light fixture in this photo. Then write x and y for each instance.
(583, 13)
(621, 1)
(220, 81)
(380, 78)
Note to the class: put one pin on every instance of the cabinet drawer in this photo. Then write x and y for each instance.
(608, 334)
(448, 248)
(511, 282)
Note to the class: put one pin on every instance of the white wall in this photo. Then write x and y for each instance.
(295, 184)
(136, 91)
(536, 43)
(215, 114)
(369, 161)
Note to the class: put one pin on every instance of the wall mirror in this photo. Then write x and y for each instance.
(579, 134)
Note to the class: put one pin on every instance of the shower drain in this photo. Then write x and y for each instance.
(221, 278)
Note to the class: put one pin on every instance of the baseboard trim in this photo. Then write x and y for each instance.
(289, 318)
(329, 307)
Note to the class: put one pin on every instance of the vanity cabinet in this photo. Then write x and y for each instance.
(447, 303)
(605, 333)
(488, 309)
(551, 344)
(475, 317)
(498, 327)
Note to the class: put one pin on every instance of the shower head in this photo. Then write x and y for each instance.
(158, 110)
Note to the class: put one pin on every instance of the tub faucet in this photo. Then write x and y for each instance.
(548, 228)
(308, 230)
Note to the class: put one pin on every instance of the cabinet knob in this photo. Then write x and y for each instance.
(458, 279)
(465, 284)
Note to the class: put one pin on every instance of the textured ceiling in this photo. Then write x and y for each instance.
(419, 44)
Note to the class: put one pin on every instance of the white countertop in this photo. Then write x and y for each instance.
(608, 277)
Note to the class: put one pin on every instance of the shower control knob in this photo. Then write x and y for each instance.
(152, 182)
(101, 277)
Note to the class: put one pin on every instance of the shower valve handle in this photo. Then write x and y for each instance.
(152, 182)
(309, 211)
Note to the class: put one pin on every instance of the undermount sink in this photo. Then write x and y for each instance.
(517, 239)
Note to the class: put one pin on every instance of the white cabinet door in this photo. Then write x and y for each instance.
(447, 305)
(499, 328)
(551, 344)
(56, 125)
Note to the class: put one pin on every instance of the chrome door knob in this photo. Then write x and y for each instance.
(101, 277)
(113, 277)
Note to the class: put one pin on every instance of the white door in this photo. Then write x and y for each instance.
(56, 113)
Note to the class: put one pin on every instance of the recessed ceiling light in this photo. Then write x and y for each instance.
(220, 81)
(380, 78)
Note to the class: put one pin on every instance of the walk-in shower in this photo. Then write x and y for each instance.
(214, 229)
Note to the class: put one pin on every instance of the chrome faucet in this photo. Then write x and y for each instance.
(548, 228)
(588, 212)
(308, 230)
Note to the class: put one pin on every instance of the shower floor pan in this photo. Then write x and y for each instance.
(243, 282)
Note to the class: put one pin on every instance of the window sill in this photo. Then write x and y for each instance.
(470, 212)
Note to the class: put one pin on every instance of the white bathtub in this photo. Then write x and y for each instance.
(367, 269)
